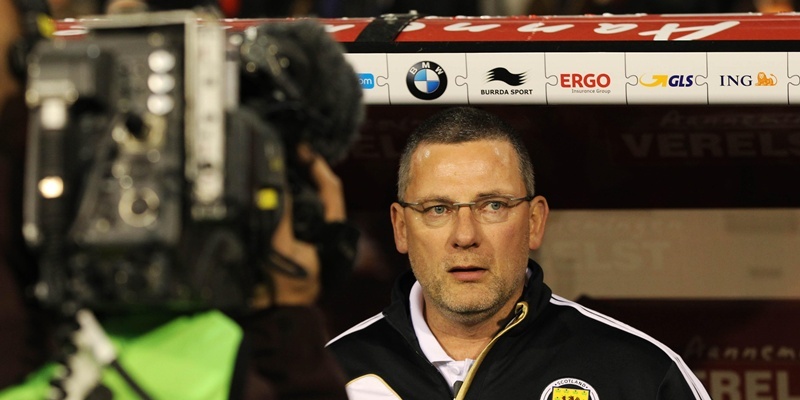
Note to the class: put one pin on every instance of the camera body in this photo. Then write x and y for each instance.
(151, 179)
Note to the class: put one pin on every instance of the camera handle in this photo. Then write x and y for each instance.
(92, 351)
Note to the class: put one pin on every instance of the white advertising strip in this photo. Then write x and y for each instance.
(579, 78)
(748, 78)
(505, 78)
(666, 78)
(418, 78)
(372, 71)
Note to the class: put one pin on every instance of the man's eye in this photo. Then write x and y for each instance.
(437, 209)
(494, 205)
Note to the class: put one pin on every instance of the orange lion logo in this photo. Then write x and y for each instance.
(764, 81)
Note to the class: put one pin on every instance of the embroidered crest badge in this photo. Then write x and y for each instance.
(569, 389)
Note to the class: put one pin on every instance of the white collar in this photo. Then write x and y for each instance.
(427, 342)
(450, 369)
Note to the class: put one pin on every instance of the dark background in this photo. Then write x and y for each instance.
(587, 158)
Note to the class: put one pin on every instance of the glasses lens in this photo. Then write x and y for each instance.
(492, 211)
(436, 214)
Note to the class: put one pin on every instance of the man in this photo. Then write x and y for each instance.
(473, 318)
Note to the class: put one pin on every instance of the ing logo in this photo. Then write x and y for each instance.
(747, 80)
(426, 80)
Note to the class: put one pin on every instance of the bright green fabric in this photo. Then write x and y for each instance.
(190, 357)
(35, 386)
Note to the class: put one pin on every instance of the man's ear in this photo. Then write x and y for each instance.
(538, 219)
(399, 228)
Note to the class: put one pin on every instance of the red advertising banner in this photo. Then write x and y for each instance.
(589, 28)
(622, 28)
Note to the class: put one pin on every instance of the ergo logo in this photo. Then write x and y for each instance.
(584, 81)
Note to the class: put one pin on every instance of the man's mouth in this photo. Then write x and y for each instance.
(467, 273)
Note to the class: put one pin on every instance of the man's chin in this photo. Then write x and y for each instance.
(472, 307)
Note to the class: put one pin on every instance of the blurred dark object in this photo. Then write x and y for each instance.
(774, 6)
(273, 9)
(282, 357)
(22, 333)
(22, 337)
(569, 7)
(61, 9)
(352, 8)
(229, 8)
(439, 8)
(558, 7)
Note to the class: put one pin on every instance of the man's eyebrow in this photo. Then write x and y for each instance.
(494, 193)
(435, 198)
(447, 199)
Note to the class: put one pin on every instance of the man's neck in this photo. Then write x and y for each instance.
(466, 339)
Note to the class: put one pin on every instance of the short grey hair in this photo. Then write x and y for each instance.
(460, 125)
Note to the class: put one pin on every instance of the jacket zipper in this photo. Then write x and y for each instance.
(520, 311)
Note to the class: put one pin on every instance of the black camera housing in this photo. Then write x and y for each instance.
(150, 181)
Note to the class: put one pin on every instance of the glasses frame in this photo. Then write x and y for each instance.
(471, 204)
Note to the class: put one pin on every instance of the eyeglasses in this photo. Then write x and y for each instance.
(489, 210)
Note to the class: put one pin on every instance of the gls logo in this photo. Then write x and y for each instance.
(667, 81)
(584, 80)
(747, 80)
(426, 80)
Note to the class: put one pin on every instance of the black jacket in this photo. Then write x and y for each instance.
(553, 349)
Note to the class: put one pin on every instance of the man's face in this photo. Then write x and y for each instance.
(468, 270)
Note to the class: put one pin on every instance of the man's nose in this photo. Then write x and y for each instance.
(465, 228)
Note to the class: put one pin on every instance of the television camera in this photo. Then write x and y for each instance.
(161, 147)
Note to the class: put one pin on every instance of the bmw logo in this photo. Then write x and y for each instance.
(426, 80)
